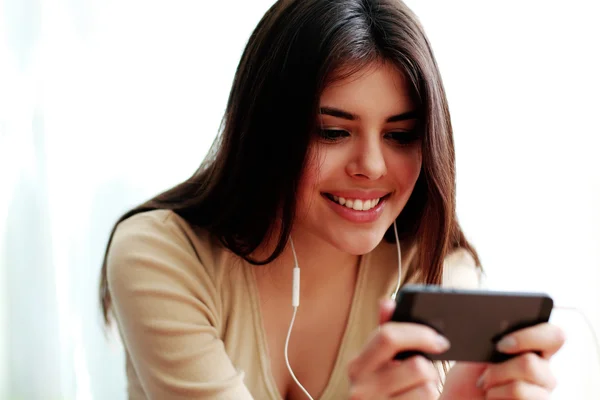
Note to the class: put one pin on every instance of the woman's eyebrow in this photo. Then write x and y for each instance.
(403, 117)
(337, 113)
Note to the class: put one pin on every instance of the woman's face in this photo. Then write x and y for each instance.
(364, 160)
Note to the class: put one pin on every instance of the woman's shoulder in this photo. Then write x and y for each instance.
(461, 271)
(163, 223)
(158, 242)
(164, 278)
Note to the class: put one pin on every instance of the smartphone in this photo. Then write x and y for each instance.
(472, 320)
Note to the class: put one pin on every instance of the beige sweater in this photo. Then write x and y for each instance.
(189, 317)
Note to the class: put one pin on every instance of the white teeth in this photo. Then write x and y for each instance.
(357, 204)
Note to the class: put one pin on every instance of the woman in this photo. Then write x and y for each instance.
(336, 132)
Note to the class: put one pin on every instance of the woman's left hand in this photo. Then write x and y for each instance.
(527, 376)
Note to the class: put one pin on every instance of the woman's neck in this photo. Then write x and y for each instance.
(320, 263)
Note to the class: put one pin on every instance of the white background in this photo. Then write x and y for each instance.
(105, 103)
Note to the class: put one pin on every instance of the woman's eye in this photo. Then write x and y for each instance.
(403, 137)
(333, 134)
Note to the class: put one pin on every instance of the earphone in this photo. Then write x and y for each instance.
(296, 302)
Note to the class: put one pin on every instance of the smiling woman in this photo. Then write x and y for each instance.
(336, 132)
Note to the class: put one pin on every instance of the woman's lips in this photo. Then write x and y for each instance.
(358, 216)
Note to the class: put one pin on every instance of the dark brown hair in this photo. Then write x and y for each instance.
(256, 164)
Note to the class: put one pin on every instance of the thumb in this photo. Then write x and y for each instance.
(386, 309)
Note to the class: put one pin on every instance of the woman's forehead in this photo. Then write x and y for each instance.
(379, 88)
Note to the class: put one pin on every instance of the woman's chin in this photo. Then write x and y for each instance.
(360, 245)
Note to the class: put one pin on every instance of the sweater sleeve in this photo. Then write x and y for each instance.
(166, 304)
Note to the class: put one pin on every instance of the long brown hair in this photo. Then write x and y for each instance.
(255, 164)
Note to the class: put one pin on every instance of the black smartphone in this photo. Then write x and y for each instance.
(472, 320)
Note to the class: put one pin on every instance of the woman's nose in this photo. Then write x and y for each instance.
(368, 160)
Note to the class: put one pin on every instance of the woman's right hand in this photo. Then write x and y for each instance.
(374, 374)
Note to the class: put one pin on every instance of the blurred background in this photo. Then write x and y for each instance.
(105, 103)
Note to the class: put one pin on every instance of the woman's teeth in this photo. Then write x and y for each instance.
(357, 204)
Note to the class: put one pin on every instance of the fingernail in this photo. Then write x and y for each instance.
(480, 381)
(443, 343)
(388, 303)
(506, 344)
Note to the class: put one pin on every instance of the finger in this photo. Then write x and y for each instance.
(468, 373)
(396, 377)
(400, 376)
(428, 391)
(545, 338)
(391, 339)
(527, 367)
(386, 309)
(517, 391)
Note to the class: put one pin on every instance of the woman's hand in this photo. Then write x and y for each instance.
(527, 376)
(374, 374)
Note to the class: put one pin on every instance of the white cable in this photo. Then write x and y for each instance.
(294, 253)
(399, 262)
(295, 304)
(589, 324)
(287, 360)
